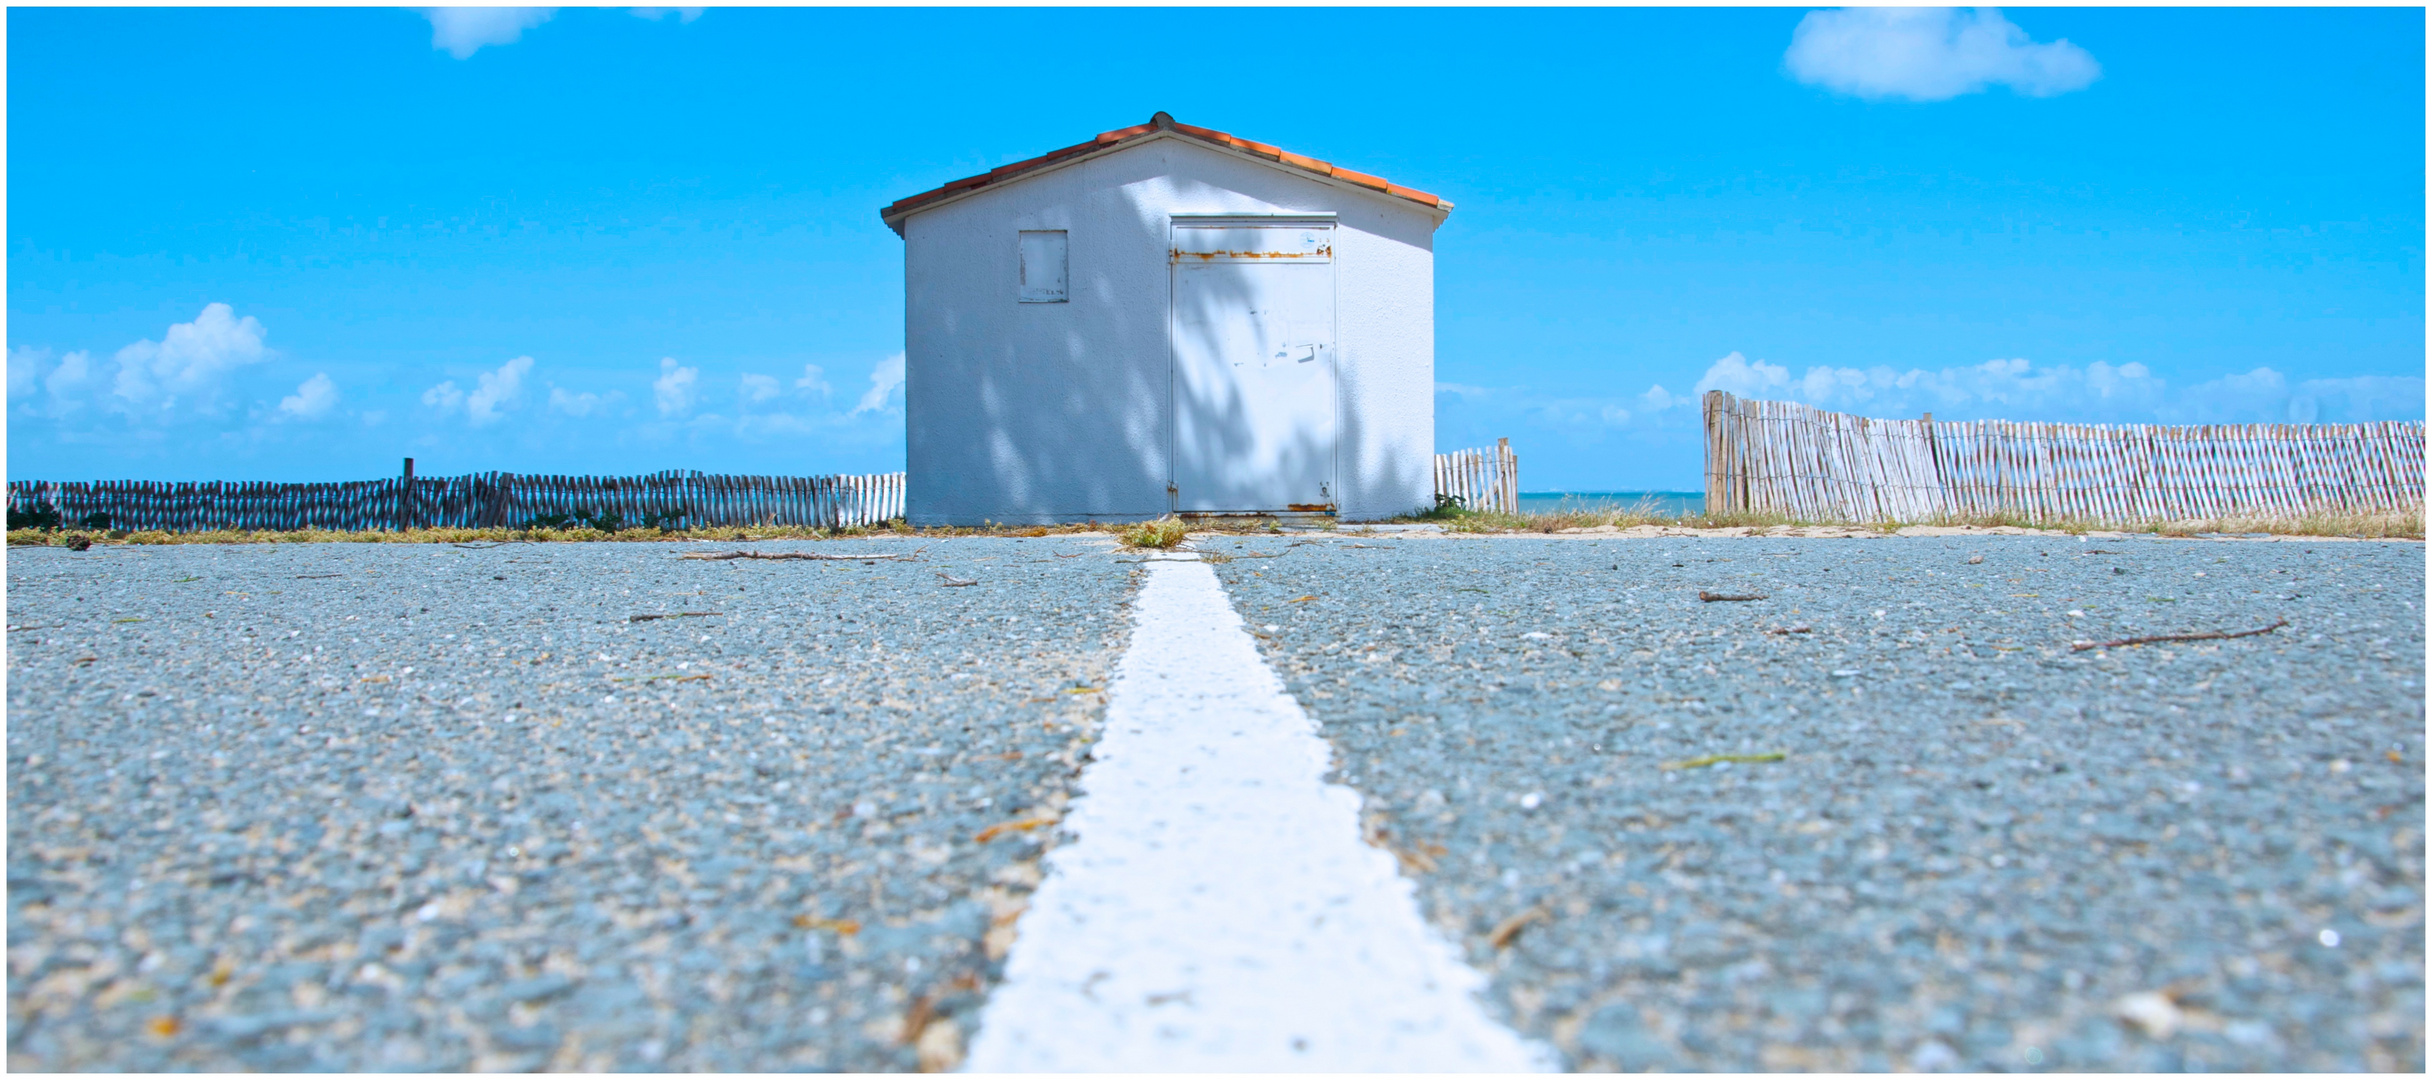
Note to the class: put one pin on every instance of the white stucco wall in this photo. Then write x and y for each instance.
(1037, 413)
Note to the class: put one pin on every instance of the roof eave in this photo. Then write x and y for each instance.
(895, 214)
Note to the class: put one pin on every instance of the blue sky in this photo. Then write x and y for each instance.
(301, 244)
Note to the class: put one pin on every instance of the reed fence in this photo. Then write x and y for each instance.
(478, 500)
(1806, 463)
(1486, 479)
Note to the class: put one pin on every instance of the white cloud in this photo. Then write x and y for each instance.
(2011, 389)
(758, 388)
(189, 363)
(583, 404)
(75, 372)
(40, 386)
(682, 14)
(26, 367)
(312, 399)
(1734, 374)
(885, 379)
(813, 381)
(675, 388)
(185, 375)
(2265, 396)
(494, 392)
(462, 31)
(444, 397)
(2016, 389)
(2364, 397)
(1930, 54)
(497, 390)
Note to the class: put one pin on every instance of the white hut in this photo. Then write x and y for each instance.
(1168, 319)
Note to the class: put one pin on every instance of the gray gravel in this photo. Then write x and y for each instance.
(1980, 851)
(402, 807)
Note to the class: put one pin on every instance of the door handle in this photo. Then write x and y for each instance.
(1309, 353)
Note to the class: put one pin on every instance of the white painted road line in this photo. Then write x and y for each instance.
(1217, 909)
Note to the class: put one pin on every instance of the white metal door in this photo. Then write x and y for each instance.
(1253, 354)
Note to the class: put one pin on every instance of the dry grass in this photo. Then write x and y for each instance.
(21, 537)
(44, 537)
(2360, 524)
(2373, 524)
(1554, 521)
(1161, 533)
(1166, 532)
(2406, 525)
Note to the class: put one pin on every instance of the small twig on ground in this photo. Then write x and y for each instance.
(917, 1019)
(955, 582)
(486, 547)
(2216, 635)
(1003, 827)
(1417, 859)
(1510, 928)
(1802, 628)
(1074, 555)
(722, 556)
(677, 615)
(844, 927)
(300, 577)
(1717, 759)
(1711, 597)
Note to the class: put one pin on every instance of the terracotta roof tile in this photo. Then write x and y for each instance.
(1361, 178)
(1299, 162)
(895, 211)
(1259, 148)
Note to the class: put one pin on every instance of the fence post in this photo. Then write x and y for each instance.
(1714, 445)
(1933, 455)
(494, 510)
(1507, 477)
(405, 499)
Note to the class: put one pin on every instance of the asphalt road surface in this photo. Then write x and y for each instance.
(406, 807)
(410, 807)
(1977, 849)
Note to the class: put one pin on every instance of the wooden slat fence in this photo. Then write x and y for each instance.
(1486, 479)
(1806, 463)
(478, 500)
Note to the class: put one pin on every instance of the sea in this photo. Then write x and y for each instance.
(1667, 503)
